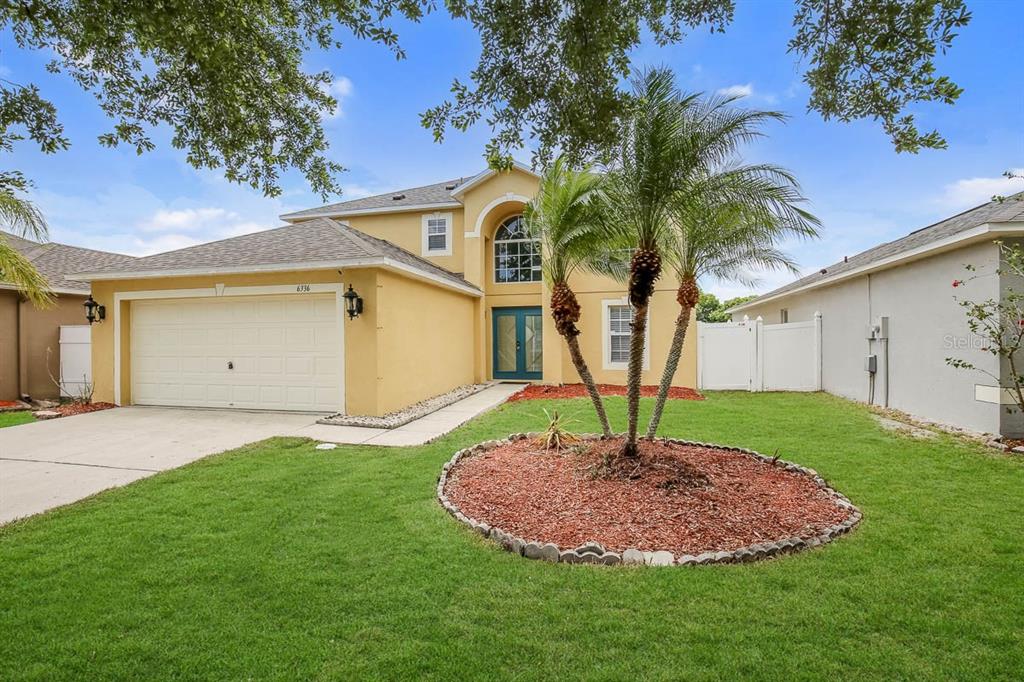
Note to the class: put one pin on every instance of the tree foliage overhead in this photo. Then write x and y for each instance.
(225, 75)
(554, 70)
(874, 58)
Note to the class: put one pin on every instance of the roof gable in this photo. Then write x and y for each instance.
(922, 241)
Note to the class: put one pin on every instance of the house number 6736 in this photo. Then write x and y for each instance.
(303, 289)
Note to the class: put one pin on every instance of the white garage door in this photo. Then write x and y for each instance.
(249, 352)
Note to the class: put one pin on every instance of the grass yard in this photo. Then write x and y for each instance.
(280, 561)
(15, 418)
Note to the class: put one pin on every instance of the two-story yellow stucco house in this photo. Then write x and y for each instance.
(451, 294)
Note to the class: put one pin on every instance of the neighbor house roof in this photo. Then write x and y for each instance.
(988, 220)
(439, 195)
(318, 244)
(55, 261)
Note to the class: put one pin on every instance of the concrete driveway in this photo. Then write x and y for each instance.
(50, 463)
(46, 464)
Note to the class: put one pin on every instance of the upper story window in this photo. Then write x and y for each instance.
(783, 315)
(516, 254)
(437, 234)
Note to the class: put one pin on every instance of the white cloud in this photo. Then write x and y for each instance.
(737, 90)
(340, 89)
(970, 192)
(127, 218)
(184, 220)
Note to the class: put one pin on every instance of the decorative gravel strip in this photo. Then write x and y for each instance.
(592, 552)
(393, 420)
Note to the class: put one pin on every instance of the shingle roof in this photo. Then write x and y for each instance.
(320, 240)
(438, 193)
(54, 260)
(1010, 210)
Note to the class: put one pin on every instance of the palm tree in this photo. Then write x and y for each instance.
(561, 216)
(21, 217)
(731, 224)
(641, 182)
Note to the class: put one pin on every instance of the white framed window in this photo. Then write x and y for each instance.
(617, 319)
(516, 254)
(437, 234)
(783, 315)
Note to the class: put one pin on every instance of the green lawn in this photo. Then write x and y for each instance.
(15, 418)
(279, 561)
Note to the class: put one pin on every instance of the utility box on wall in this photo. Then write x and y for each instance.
(871, 364)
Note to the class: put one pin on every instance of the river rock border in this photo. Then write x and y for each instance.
(594, 553)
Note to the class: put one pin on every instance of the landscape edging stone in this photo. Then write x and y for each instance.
(592, 552)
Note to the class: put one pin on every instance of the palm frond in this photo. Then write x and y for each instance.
(562, 217)
(17, 270)
(21, 217)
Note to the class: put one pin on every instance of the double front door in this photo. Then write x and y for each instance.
(518, 343)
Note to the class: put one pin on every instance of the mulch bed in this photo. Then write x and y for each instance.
(10, 403)
(71, 409)
(539, 392)
(685, 499)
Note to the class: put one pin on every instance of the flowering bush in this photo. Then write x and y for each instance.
(1000, 323)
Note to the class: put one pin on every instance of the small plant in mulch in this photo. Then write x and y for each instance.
(556, 436)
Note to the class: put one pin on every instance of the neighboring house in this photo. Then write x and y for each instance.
(903, 289)
(26, 332)
(451, 293)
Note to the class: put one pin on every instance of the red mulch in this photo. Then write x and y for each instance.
(71, 409)
(731, 501)
(9, 403)
(539, 392)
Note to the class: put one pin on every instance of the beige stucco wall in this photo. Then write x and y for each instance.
(425, 341)
(406, 230)
(8, 345)
(591, 290)
(26, 332)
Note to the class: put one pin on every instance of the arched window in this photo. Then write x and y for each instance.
(516, 254)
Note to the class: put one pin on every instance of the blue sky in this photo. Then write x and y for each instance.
(863, 191)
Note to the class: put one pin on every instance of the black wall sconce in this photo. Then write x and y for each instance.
(353, 303)
(94, 312)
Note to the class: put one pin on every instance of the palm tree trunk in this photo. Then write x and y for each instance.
(675, 351)
(634, 377)
(588, 380)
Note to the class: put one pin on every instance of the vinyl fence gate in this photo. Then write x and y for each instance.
(75, 360)
(752, 356)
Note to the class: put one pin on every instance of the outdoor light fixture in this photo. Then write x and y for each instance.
(353, 303)
(94, 312)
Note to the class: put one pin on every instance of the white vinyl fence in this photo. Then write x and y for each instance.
(753, 356)
(75, 360)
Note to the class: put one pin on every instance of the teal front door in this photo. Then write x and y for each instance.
(518, 343)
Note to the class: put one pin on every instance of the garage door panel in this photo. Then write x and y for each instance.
(285, 352)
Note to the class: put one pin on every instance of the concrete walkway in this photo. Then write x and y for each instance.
(51, 463)
(421, 430)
